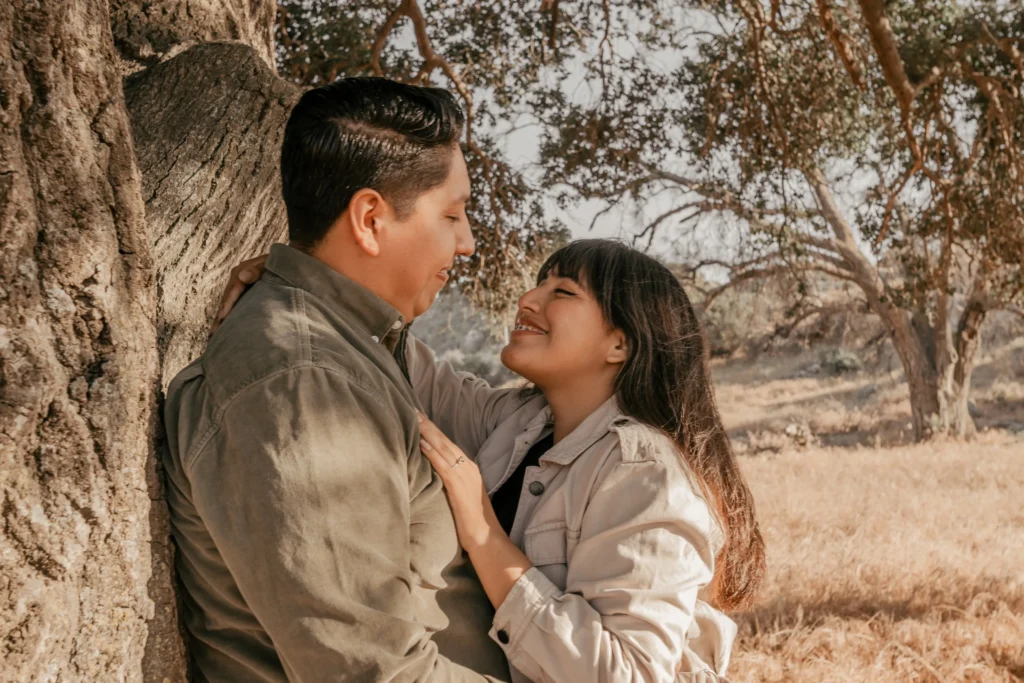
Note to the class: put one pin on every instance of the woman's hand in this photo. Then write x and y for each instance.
(243, 276)
(475, 520)
(498, 562)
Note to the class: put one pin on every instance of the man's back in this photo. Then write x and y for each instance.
(312, 536)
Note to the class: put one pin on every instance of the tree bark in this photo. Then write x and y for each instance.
(968, 346)
(208, 126)
(940, 383)
(156, 30)
(77, 353)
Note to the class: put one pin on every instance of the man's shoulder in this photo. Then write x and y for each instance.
(274, 331)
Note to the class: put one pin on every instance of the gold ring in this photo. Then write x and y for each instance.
(458, 462)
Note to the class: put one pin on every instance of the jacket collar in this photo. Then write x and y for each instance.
(589, 432)
(350, 299)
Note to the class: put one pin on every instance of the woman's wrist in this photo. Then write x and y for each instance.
(499, 564)
(486, 537)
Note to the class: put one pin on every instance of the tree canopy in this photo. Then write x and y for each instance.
(876, 142)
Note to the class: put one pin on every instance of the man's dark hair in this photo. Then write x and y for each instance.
(363, 132)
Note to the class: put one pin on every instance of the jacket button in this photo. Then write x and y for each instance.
(536, 488)
(503, 637)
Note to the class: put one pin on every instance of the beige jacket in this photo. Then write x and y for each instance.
(621, 540)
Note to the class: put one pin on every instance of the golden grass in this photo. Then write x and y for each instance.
(889, 565)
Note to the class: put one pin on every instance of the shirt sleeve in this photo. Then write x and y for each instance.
(631, 588)
(466, 408)
(307, 491)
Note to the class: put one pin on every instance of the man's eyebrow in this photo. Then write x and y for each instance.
(462, 198)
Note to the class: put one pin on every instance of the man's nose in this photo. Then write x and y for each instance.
(465, 244)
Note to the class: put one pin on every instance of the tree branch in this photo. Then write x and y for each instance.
(652, 227)
(745, 276)
(884, 41)
(431, 60)
(822, 243)
(841, 43)
(382, 36)
(891, 202)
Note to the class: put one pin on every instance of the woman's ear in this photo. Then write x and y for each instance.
(619, 351)
(365, 212)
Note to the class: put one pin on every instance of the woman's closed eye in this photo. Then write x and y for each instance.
(559, 290)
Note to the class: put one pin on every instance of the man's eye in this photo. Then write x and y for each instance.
(453, 219)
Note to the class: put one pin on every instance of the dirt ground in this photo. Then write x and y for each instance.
(889, 561)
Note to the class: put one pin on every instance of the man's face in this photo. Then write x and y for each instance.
(421, 248)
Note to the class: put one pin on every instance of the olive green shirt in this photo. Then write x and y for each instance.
(314, 541)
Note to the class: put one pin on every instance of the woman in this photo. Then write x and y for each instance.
(603, 510)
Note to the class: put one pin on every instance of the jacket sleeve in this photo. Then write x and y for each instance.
(466, 408)
(308, 494)
(631, 588)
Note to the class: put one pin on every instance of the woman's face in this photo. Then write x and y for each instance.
(561, 336)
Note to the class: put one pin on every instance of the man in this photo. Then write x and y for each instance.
(315, 542)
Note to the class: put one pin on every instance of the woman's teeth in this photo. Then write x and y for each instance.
(520, 327)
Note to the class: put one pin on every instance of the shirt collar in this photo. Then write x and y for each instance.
(310, 274)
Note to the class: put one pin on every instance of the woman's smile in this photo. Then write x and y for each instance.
(526, 326)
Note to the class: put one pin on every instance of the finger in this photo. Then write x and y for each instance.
(441, 450)
(431, 433)
(441, 447)
(436, 458)
(250, 271)
(231, 296)
(242, 275)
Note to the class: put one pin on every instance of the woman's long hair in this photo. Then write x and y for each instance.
(665, 384)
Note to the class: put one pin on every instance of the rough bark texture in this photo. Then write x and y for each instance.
(916, 351)
(156, 30)
(77, 354)
(208, 126)
(968, 341)
(940, 384)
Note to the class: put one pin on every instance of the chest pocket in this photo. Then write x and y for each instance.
(546, 544)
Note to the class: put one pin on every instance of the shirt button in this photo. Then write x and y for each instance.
(376, 339)
(503, 637)
(397, 325)
(536, 488)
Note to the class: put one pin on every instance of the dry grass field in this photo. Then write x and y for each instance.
(889, 562)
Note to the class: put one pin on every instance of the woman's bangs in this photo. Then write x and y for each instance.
(577, 261)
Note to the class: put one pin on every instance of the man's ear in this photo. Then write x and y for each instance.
(619, 351)
(366, 212)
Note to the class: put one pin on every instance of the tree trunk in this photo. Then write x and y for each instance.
(77, 353)
(939, 390)
(919, 369)
(208, 126)
(968, 345)
(156, 30)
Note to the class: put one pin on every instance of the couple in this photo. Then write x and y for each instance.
(346, 508)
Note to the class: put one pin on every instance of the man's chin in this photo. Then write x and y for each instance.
(424, 302)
